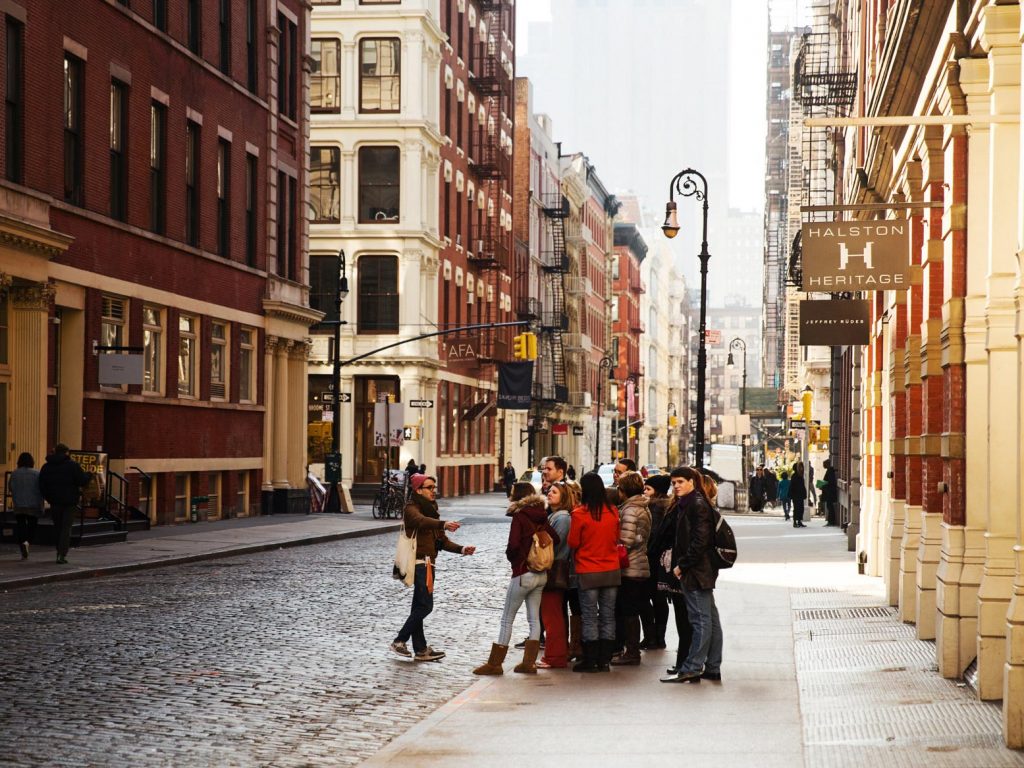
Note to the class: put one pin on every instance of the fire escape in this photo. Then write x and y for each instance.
(550, 384)
(490, 154)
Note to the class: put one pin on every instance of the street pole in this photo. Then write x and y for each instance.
(606, 362)
(670, 412)
(332, 470)
(685, 183)
(807, 396)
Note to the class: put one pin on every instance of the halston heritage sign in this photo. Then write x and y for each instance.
(856, 255)
(835, 322)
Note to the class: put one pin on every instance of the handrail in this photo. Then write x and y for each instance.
(144, 474)
(120, 500)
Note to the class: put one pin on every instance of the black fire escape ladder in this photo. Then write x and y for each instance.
(554, 320)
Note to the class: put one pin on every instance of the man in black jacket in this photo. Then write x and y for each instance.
(61, 480)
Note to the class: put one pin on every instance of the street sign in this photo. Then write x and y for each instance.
(713, 337)
(421, 403)
(577, 431)
(344, 397)
(799, 423)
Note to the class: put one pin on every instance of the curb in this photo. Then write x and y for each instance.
(248, 549)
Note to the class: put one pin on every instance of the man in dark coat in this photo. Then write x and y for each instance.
(771, 486)
(798, 493)
(508, 477)
(61, 480)
(757, 491)
(830, 493)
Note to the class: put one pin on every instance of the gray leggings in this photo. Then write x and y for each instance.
(528, 588)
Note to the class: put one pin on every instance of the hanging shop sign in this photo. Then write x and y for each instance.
(837, 322)
(560, 428)
(577, 431)
(515, 386)
(856, 256)
(461, 349)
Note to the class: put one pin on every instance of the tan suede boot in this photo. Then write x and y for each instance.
(575, 637)
(493, 665)
(529, 663)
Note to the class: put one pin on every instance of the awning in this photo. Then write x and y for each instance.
(479, 410)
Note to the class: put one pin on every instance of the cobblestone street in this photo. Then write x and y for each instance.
(275, 659)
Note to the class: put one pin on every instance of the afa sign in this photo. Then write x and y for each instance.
(844, 256)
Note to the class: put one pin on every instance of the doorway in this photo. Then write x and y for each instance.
(370, 460)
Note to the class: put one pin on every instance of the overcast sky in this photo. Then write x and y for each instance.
(747, 54)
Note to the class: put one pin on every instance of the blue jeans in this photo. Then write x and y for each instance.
(787, 504)
(528, 588)
(706, 646)
(422, 605)
(597, 607)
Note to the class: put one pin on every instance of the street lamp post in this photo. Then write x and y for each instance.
(332, 470)
(686, 184)
(629, 392)
(606, 362)
(738, 343)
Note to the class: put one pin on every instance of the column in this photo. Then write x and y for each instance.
(298, 415)
(269, 348)
(350, 80)
(349, 193)
(30, 314)
(279, 444)
(1001, 39)
(897, 432)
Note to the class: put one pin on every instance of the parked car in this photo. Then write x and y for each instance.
(606, 473)
(650, 470)
(532, 476)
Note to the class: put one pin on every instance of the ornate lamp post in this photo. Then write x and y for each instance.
(686, 184)
(738, 343)
(606, 362)
(332, 470)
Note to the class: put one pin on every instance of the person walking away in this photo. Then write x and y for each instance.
(593, 533)
(411, 468)
(787, 503)
(830, 493)
(756, 490)
(421, 516)
(633, 599)
(529, 517)
(553, 604)
(656, 489)
(61, 481)
(798, 493)
(508, 476)
(27, 499)
(693, 566)
(771, 487)
(812, 493)
(571, 472)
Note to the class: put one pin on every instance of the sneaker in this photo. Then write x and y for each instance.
(522, 644)
(400, 649)
(428, 654)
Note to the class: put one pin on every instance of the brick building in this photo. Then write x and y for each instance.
(152, 196)
(627, 327)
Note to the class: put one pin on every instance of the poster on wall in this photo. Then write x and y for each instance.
(835, 322)
(843, 256)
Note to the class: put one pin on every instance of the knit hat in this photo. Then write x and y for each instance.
(660, 484)
(417, 481)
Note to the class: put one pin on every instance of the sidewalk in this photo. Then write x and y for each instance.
(188, 542)
(817, 670)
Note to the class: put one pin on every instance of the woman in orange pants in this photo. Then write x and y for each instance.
(561, 500)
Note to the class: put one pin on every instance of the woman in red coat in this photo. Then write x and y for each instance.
(593, 534)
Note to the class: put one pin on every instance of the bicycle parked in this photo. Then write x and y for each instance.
(389, 502)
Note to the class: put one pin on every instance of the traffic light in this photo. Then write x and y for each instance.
(632, 433)
(531, 345)
(519, 347)
(673, 421)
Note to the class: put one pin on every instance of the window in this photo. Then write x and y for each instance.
(160, 15)
(14, 125)
(224, 198)
(251, 61)
(194, 26)
(378, 184)
(324, 182)
(323, 285)
(192, 183)
(152, 350)
(380, 75)
(118, 143)
(615, 266)
(219, 361)
(181, 495)
(286, 66)
(157, 162)
(73, 118)
(615, 309)
(286, 225)
(378, 294)
(187, 357)
(224, 22)
(242, 494)
(247, 365)
(113, 318)
(251, 195)
(213, 508)
(325, 80)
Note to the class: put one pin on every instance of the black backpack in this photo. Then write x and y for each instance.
(723, 552)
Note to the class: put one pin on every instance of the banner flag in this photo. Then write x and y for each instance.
(515, 385)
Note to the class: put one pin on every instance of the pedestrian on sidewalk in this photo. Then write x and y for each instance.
(656, 490)
(830, 493)
(27, 499)
(693, 566)
(771, 487)
(663, 542)
(508, 478)
(421, 516)
(61, 481)
(787, 503)
(633, 599)
(571, 472)
(561, 500)
(529, 517)
(411, 468)
(593, 534)
(756, 490)
(798, 493)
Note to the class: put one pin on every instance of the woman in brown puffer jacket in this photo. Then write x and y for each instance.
(632, 600)
(529, 516)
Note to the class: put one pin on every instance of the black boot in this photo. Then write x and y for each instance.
(605, 651)
(589, 661)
